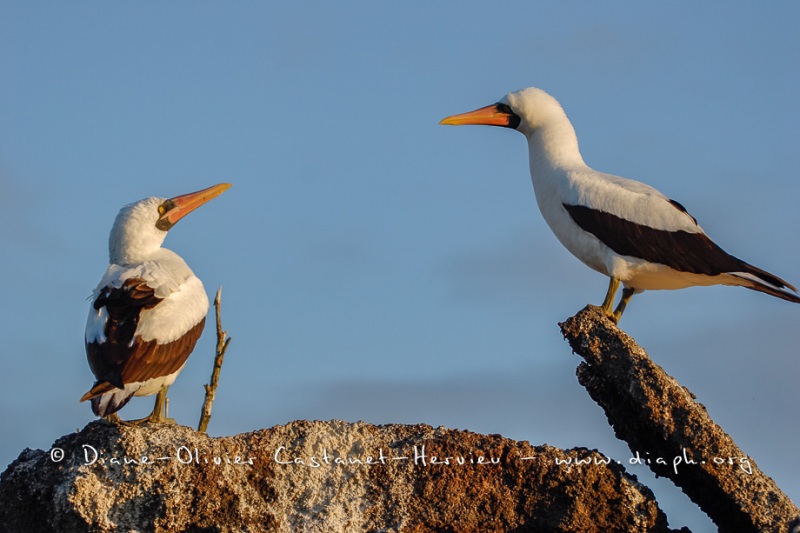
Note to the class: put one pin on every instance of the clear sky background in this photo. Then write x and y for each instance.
(375, 265)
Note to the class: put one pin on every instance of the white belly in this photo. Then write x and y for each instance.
(152, 386)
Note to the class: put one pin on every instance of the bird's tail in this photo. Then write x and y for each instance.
(106, 398)
(760, 280)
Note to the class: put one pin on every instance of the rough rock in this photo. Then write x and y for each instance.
(317, 476)
(661, 421)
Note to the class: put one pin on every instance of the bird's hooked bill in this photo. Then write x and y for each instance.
(491, 115)
(182, 205)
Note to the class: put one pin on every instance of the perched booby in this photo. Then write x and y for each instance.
(622, 228)
(148, 310)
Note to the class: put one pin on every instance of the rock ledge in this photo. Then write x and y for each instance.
(317, 476)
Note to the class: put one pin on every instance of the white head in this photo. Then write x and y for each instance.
(526, 111)
(134, 235)
(535, 109)
(538, 116)
(141, 227)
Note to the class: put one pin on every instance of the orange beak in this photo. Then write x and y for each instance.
(180, 206)
(491, 115)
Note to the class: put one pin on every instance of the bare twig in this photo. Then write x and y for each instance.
(660, 419)
(211, 389)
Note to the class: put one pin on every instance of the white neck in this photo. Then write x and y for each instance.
(554, 145)
(132, 251)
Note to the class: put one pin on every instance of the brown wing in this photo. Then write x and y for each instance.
(124, 358)
(123, 306)
(140, 361)
(150, 359)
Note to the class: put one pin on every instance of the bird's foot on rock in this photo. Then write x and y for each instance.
(152, 419)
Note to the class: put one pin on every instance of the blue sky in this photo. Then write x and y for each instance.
(376, 266)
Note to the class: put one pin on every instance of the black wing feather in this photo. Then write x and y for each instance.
(680, 250)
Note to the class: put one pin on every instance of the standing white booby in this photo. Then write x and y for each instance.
(148, 310)
(622, 228)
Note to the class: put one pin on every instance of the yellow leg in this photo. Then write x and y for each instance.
(158, 416)
(158, 409)
(608, 303)
(627, 292)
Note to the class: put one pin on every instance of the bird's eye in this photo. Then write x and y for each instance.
(513, 118)
(164, 223)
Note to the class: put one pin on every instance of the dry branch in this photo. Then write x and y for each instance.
(211, 388)
(659, 418)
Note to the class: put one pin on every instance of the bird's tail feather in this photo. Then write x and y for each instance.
(107, 399)
(760, 280)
